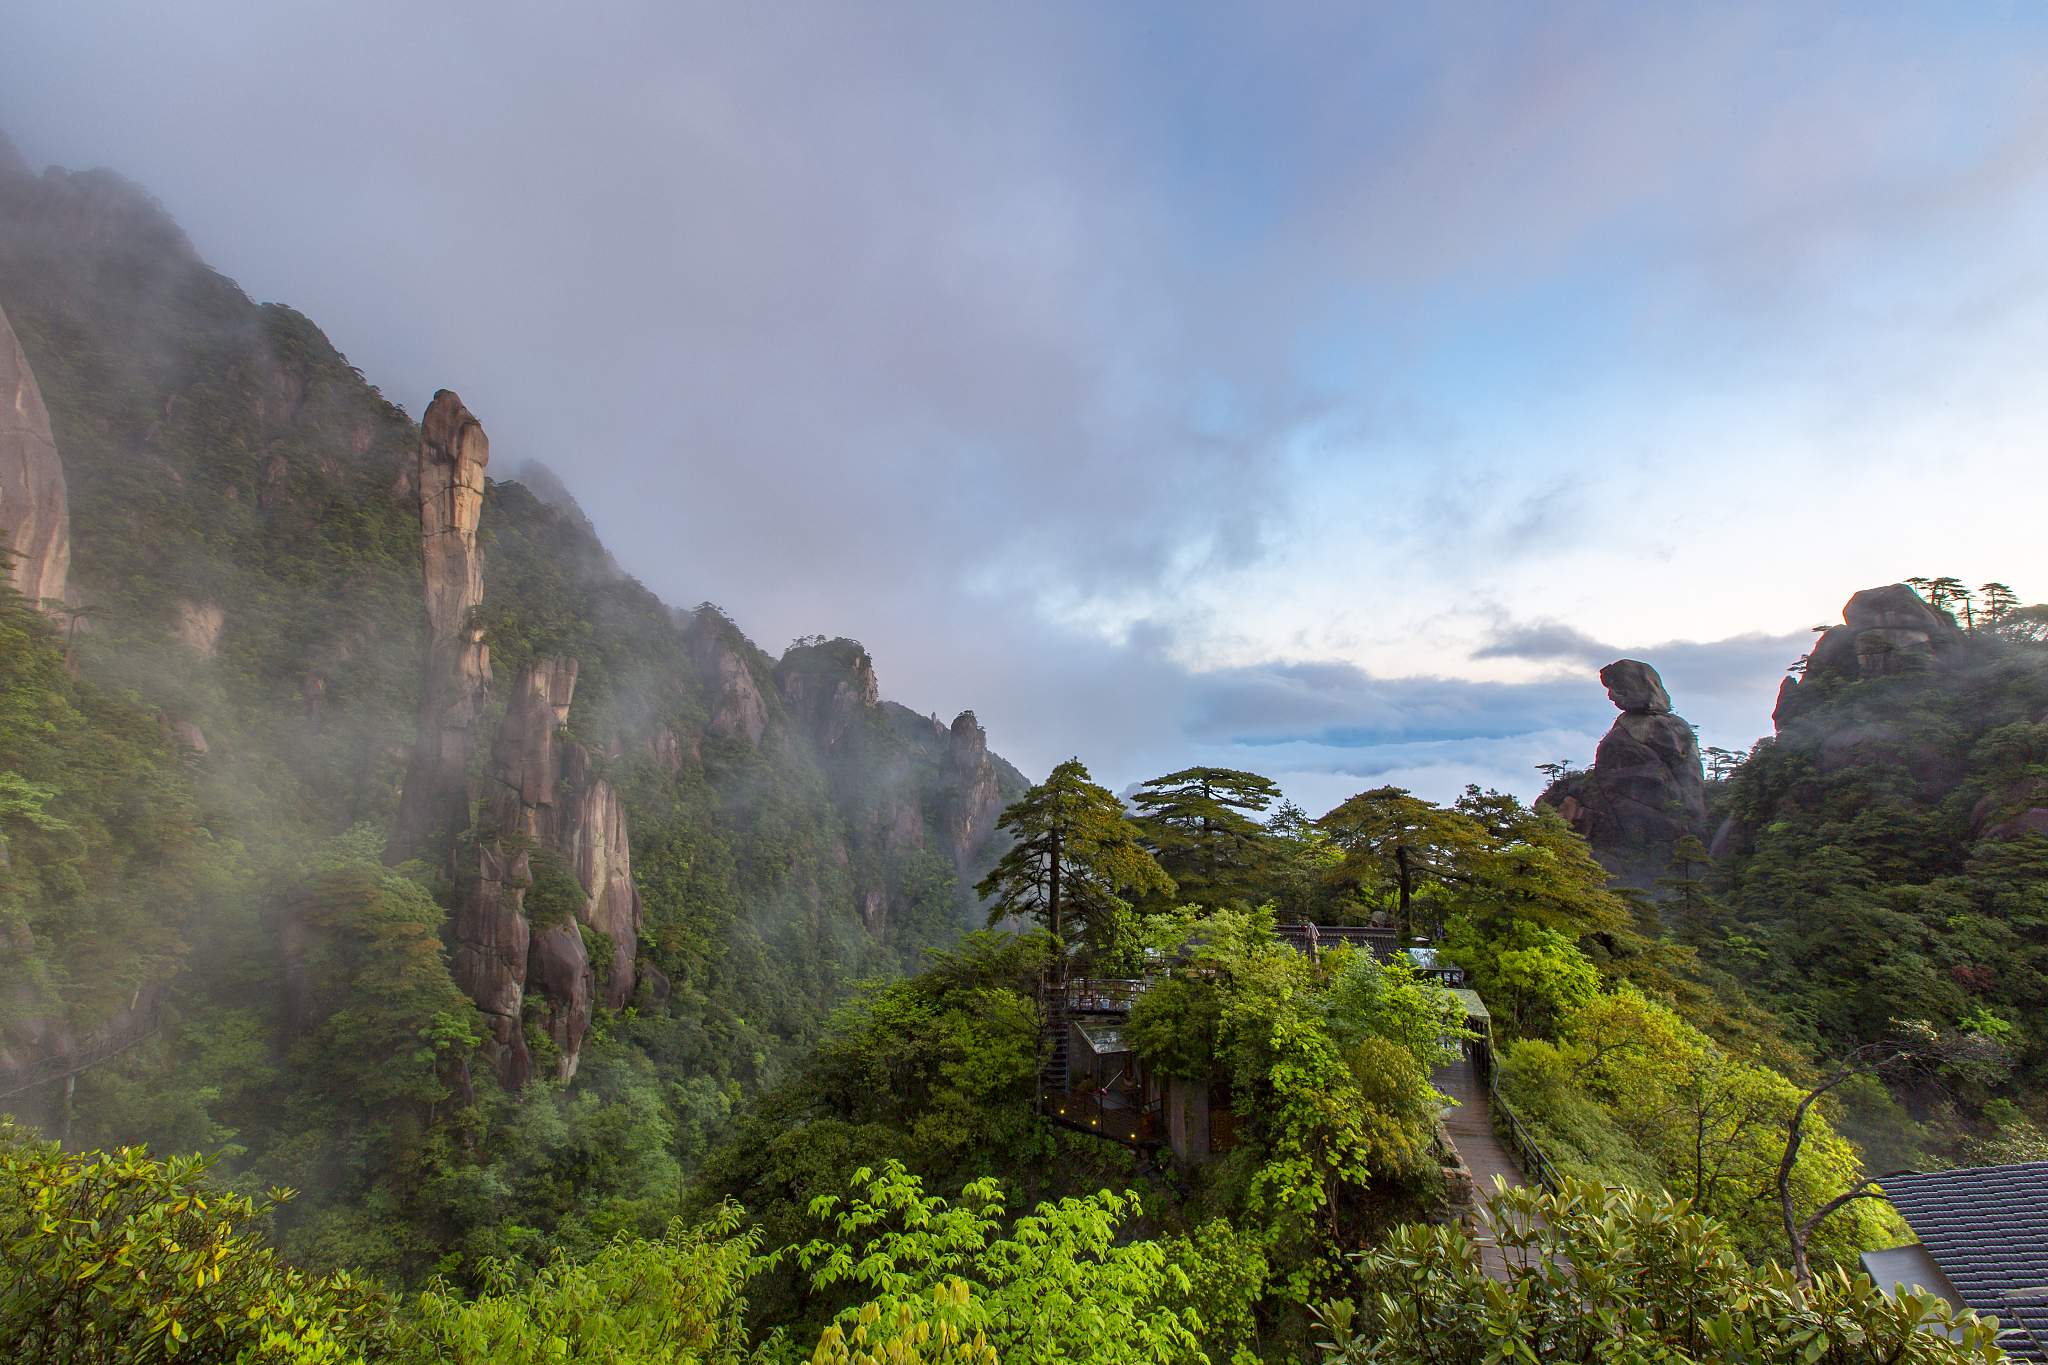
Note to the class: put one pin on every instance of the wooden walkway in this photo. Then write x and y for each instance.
(1471, 1128)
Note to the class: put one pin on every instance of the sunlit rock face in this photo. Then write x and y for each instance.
(453, 452)
(545, 798)
(1646, 789)
(34, 510)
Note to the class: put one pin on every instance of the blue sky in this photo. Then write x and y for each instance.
(1322, 389)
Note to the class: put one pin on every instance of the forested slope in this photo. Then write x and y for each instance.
(246, 559)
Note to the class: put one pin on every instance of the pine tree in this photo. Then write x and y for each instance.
(1196, 825)
(1077, 863)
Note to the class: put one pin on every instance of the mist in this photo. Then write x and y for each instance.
(1324, 392)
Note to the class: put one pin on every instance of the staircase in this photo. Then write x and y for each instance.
(1053, 1070)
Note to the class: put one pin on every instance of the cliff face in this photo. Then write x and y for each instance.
(288, 572)
(1645, 790)
(973, 796)
(516, 947)
(453, 452)
(35, 513)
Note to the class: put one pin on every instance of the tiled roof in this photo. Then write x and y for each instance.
(1383, 942)
(1987, 1228)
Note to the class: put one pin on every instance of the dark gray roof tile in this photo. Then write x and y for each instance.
(1987, 1228)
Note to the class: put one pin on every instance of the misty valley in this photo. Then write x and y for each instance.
(419, 942)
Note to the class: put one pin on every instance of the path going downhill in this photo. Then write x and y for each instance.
(1471, 1129)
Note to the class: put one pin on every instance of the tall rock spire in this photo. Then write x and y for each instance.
(434, 808)
(35, 516)
(1645, 790)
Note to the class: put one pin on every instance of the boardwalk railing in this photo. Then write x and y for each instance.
(1088, 1111)
(1102, 995)
(1522, 1144)
(56, 1068)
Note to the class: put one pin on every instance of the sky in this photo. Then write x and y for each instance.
(1327, 390)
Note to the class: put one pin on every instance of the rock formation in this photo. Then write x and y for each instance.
(828, 689)
(35, 516)
(510, 942)
(1884, 631)
(973, 799)
(737, 707)
(1646, 789)
(434, 808)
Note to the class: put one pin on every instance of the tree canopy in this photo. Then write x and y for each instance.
(1076, 865)
(1198, 824)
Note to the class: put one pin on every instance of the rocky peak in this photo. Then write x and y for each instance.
(1882, 629)
(433, 811)
(1635, 688)
(35, 516)
(1646, 788)
(973, 796)
(828, 686)
(737, 706)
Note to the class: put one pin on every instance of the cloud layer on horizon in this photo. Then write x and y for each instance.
(1317, 384)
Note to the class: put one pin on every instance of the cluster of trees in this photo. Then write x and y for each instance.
(1508, 889)
(118, 1258)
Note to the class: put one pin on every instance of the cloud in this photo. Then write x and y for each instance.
(1157, 380)
(1542, 641)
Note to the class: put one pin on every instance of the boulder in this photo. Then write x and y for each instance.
(1646, 789)
(1884, 631)
(1635, 688)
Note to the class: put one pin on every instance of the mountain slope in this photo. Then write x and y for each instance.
(246, 537)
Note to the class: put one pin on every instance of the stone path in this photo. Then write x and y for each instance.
(1471, 1128)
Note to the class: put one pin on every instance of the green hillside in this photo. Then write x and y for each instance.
(247, 550)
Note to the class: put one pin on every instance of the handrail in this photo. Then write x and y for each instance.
(64, 1064)
(1527, 1154)
(1525, 1148)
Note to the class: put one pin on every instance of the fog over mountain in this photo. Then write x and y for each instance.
(1322, 390)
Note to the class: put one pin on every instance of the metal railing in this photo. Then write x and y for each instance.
(1086, 1110)
(64, 1064)
(1095, 994)
(1522, 1144)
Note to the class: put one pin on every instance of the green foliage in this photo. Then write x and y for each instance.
(1061, 1286)
(1595, 1274)
(1874, 875)
(1676, 1110)
(1075, 866)
(671, 1300)
(1537, 974)
(1197, 824)
(114, 1257)
(1326, 1064)
(103, 856)
(553, 895)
